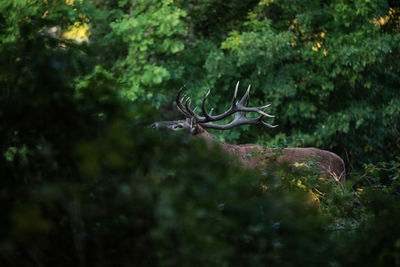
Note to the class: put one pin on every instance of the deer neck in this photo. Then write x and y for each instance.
(200, 132)
(210, 140)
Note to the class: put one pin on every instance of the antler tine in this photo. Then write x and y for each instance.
(264, 107)
(179, 104)
(238, 120)
(235, 94)
(187, 105)
(178, 96)
(245, 96)
(266, 124)
(184, 96)
(183, 100)
(264, 114)
(247, 101)
(259, 110)
(191, 112)
(203, 109)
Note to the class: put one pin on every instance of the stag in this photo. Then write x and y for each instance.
(196, 125)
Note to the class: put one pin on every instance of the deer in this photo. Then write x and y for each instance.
(195, 124)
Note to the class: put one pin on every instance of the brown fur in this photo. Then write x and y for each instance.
(256, 156)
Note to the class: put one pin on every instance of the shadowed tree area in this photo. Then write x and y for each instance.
(86, 182)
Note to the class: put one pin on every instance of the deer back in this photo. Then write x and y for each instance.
(259, 157)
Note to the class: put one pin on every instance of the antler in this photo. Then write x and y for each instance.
(239, 108)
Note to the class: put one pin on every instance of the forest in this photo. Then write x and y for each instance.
(85, 180)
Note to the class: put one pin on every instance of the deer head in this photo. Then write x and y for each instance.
(195, 123)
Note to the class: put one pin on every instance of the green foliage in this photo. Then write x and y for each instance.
(378, 196)
(326, 83)
(152, 31)
(363, 213)
(84, 181)
(328, 68)
(83, 184)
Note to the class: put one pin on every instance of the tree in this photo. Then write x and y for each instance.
(330, 69)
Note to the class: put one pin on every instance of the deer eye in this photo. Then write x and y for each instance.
(178, 126)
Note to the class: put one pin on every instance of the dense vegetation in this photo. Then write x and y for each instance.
(85, 182)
